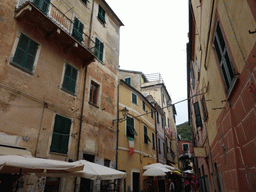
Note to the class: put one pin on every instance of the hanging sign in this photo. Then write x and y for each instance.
(199, 152)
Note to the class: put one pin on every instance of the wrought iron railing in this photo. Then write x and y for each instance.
(61, 20)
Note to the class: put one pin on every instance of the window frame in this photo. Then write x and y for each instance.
(134, 99)
(197, 112)
(25, 54)
(99, 49)
(61, 133)
(101, 14)
(143, 105)
(153, 141)
(129, 131)
(128, 80)
(70, 79)
(223, 58)
(94, 96)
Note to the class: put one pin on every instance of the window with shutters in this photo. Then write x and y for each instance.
(43, 5)
(153, 141)
(101, 15)
(204, 107)
(159, 146)
(152, 114)
(134, 98)
(128, 80)
(130, 130)
(69, 80)
(25, 54)
(157, 117)
(143, 105)
(197, 115)
(60, 137)
(224, 60)
(94, 91)
(99, 48)
(146, 138)
(78, 30)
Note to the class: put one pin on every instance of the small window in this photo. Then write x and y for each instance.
(164, 148)
(146, 138)
(85, 1)
(185, 147)
(101, 15)
(157, 117)
(60, 137)
(69, 80)
(192, 75)
(130, 130)
(134, 98)
(128, 80)
(153, 141)
(159, 146)
(25, 54)
(78, 30)
(43, 5)
(94, 91)
(204, 107)
(143, 106)
(152, 114)
(99, 48)
(197, 114)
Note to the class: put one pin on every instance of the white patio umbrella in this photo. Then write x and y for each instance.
(159, 165)
(26, 164)
(188, 171)
(154, 172)
(91, 171)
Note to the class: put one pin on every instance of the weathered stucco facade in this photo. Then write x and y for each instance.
(221, 85)
(51, 54)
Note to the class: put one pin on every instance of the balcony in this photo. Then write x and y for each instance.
(56, 26)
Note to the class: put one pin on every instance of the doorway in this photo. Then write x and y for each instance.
(135, 181)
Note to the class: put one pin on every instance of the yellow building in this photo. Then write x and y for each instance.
(136, 136)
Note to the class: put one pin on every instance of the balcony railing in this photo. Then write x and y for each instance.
(59, 18)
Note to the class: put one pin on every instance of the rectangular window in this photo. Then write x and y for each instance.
(128, 80)
(130, 130)
(101, 14)
(157, 117)
(146, 138)
(69, 80)
(197, 114)
(153, 141)
(159, 146)
(170, 146)
(25, 54)
(185, 147)
(99, 48)
(78, 30)
(152, 114)
(143, 106)
(205, 111)
(164, 147)
(94, 91)
(85, 1)
(192, 75)
(162, 123)
(43, 5)
(134, 98)
(225, 63)
(60, 137)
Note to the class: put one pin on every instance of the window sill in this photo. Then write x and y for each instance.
(56, 153)
(103, 23)
(63, 89)
(93, 104)
(22, 68)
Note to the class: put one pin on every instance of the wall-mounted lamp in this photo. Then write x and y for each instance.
(124, 112)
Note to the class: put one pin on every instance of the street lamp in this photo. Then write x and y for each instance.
(125, 112)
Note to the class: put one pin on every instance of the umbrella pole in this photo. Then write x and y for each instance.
(17, 185)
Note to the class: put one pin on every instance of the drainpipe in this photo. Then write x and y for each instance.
(117, 126)
(90, 29)
(157, 158)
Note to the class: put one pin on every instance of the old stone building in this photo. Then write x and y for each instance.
(59, 63)
(221, 88)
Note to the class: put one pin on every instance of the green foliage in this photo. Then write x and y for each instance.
(184, 131)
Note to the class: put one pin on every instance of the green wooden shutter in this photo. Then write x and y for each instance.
(78, 30)
(197, 114)
(134, 98)
(25, 53)
(130, 132)
(60, 137)
(143, 106)
(128, 80)
(101, 14)
(70, 76)
(43, 5)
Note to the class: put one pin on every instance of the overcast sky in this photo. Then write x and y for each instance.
(153, 40)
